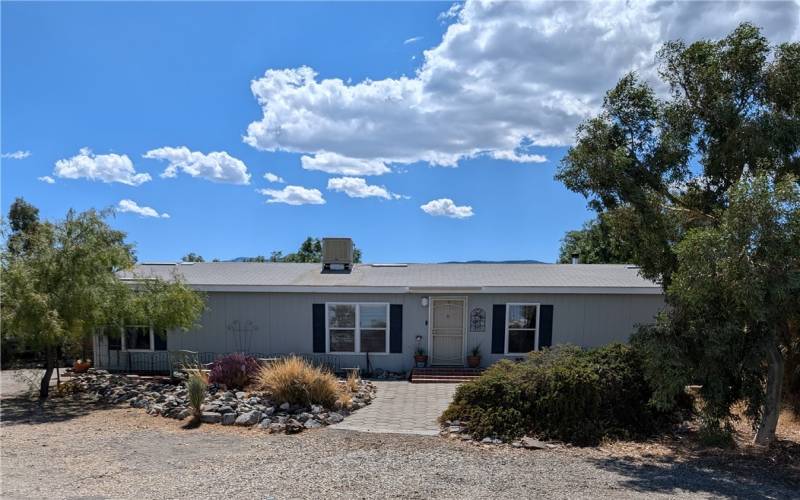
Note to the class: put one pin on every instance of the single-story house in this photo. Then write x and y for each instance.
(354, 314)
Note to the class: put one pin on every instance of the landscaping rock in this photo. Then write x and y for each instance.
(159, 398)
(293, 426)
(312, 424)
(276, 427)
(532, 444)
(210, 417)
(249, 418)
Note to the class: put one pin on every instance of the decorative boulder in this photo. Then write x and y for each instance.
(312, 424)
(210, 417)
(249, 418)
(228, 418)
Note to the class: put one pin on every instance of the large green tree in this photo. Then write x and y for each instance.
(61, 283)
(595, 243)
(665, 167)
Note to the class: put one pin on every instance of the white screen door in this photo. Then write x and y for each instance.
(447, 332)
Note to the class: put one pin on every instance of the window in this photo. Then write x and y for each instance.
(355, 328)
(113, 338)
(522, 322)
(135, 338)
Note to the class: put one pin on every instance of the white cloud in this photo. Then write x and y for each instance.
(217, 166)
(333, 163)
(506, 78)
(451, 12)
(134, 208)
(446, 208)
(413, 39)
(356, 187)
(16, 155)
(294, 195)
(106, 168)
(273, 178)
(47, 179)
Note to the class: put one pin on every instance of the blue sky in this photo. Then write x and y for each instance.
(482, 119)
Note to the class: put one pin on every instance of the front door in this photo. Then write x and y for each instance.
(447, 332)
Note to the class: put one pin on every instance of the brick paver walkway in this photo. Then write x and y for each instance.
(402, 408)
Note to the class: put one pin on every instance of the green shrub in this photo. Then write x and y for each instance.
(573, 395)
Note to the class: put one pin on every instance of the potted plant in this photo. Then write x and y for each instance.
(81, 366)
(474, 358)
(420, 358)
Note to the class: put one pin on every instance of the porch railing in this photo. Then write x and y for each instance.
(162, 361)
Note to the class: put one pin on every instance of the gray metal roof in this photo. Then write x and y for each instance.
(255, 276)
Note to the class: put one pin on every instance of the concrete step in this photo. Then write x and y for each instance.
(441, 381)
(453, 375)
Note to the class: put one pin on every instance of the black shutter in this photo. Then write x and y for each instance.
(318, 321)
(545, 326)
(498, 329)
(396, 328)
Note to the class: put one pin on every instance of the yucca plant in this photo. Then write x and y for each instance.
(196, 387)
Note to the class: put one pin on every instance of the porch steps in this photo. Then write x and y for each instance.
(438, 375)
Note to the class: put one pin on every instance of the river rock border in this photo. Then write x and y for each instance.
(241, 408)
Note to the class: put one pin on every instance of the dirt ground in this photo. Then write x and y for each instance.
(72, 447)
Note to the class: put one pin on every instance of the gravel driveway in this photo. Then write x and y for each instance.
(78, 450)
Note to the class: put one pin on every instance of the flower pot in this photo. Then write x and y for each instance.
(81, 366)
(421, 359)
(473, 361)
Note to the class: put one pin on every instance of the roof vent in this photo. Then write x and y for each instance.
(337, 254)
(576, 258)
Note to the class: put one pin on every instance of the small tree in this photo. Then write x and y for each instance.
(192, 257)
(60, 284)
(310, 251)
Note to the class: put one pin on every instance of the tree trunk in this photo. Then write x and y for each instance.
(44, 388)
(772, 401)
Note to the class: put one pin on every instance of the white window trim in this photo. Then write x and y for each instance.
(357, 328)
(536, 330)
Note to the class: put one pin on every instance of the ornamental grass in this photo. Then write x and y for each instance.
(294, 380)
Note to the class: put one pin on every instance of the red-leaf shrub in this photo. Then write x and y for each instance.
(234, 371)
